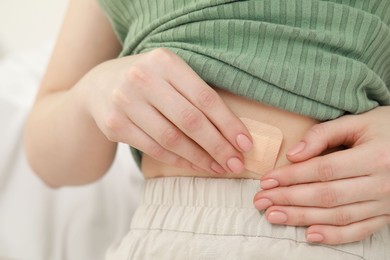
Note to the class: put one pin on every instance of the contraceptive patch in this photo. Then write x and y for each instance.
(267, 140)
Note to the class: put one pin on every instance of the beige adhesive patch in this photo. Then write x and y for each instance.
(267, 140)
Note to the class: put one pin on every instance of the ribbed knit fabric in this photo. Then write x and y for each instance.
(317, 58)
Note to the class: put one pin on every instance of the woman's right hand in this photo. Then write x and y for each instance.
(156, 103)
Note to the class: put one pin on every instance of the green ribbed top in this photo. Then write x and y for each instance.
(317, 58)
(322, 59)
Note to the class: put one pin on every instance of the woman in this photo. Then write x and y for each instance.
(279, 66)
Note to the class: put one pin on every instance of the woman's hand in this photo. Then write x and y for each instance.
(342, 196)
(156, 103)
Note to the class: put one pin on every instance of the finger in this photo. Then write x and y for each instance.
(342, 131)
(134, 136)
(324, 195)
(334, 235)
(339, 216)
(194, 124)
(171, 138)
(227, 123)
(334, 166)
(155, 125)
(202, 96)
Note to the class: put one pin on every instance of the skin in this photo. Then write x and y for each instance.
(89, 101)
(343, 196)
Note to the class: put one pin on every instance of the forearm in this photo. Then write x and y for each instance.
(63, 144)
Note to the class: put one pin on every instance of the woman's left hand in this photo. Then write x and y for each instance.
(343, 196)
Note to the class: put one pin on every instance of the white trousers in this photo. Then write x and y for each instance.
(206, 218)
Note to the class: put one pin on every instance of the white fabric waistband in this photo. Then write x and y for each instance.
(224, 208)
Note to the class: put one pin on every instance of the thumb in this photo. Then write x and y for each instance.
(323, 136)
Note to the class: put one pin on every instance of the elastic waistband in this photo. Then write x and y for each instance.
(224, 208)
(201, 206)
(201, 192)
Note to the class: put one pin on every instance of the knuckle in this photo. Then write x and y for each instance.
(136, 75)
(191, 119)
(302, 219)
(113, 122)
(384, 189)
(325, 170)
(286, 198)
(171, 137)
(207, 98)
(118, 96)
(383, 159)
(220, 149)
(162, 55)
(343, 218)
(157, 152)
(328, 197)
(112, 136)
(317, 130)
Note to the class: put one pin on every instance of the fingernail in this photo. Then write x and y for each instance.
(269, 184)
(217, 168)
(314, 238)
(235, 165)
(262, 204)
(244, 142)
(277, 217)
(296, 149)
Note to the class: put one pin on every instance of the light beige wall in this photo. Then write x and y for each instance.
(26, 24)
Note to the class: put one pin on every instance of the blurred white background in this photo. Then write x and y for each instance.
(37, 223)
(26, 24)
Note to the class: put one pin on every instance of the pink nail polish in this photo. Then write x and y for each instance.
(296, 149)
(235, 165)
(244, 143)
(277, 217)
(314, 238)
(262, 204)
(269, 184)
